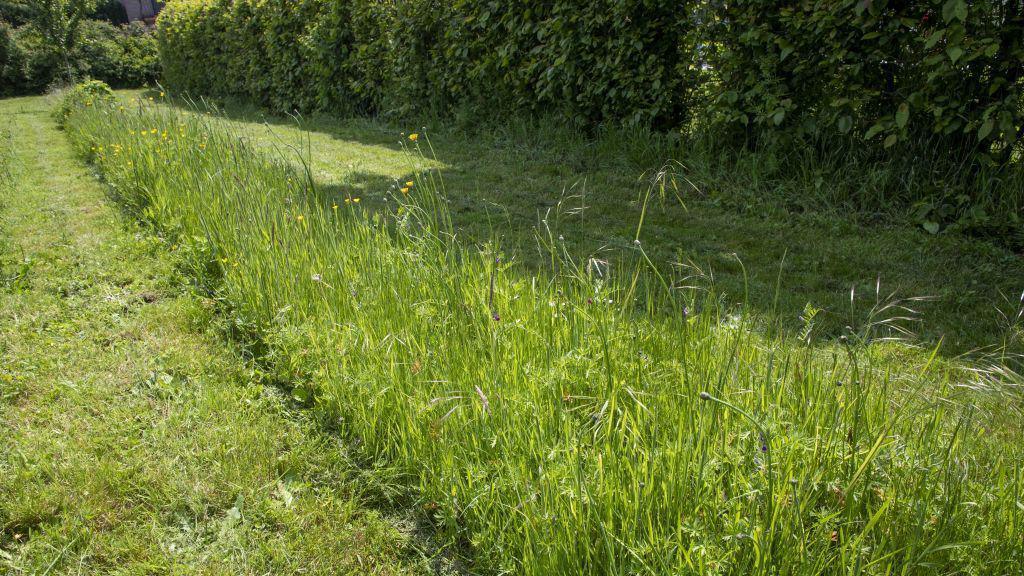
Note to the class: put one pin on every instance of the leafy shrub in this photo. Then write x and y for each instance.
(603, 60)
(141, 61)
(15, 12)
(11, 61)
(599, 60)
(35, 66)
(84, 95)
(931, 90)
(889, 71)
(120, 56)
(282, 55)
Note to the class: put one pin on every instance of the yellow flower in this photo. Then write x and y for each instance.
(405, 190)
(334, 206)
(161, 94)
(409, 184)
(356, 200)
(153, 131)
(300, 218)
(348, 200)
(413, 136)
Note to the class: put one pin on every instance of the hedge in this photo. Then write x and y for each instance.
(884, 70)
(593, 60)
(887, 70)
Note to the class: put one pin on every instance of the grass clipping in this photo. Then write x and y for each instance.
(592, 418)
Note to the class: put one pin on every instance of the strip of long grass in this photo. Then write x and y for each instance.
(593, 419)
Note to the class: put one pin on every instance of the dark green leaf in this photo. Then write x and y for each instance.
(986, 128)
(873, 131)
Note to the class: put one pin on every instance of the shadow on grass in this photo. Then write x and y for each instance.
(510, 182)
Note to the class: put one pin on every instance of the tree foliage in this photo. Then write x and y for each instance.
(58, 20)
(58, 41)
(14, 12)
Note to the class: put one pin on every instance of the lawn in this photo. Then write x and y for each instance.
(507, 183)
(136, 440)
(563, 413)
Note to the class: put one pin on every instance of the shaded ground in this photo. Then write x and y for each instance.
(135, 440)
(503, 183)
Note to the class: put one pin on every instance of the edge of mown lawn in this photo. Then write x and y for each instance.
(137, 440)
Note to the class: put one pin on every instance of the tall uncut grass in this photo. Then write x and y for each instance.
(595, 418)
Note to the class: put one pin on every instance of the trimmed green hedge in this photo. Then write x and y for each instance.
(593, 60)
(285, 55)
(883, 70)
(879, 70)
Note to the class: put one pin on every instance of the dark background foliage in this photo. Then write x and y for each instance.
(111, 11)
(43, 44)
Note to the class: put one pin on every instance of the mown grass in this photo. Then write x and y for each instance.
(134, 440)
(738, 220)
(598, 415)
